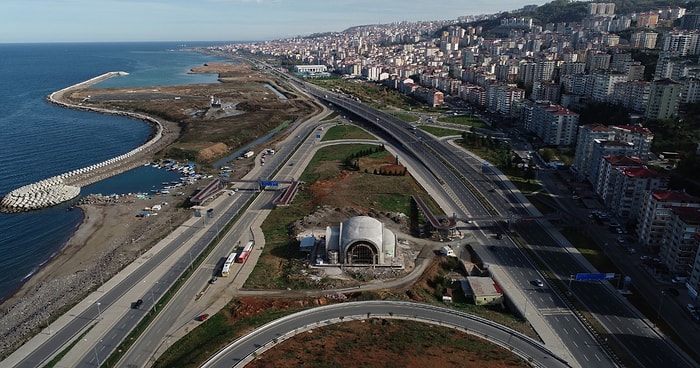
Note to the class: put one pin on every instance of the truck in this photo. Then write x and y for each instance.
(248, 154)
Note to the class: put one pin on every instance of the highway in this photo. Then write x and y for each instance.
(465, 189)
(240, 352)
(645, 344)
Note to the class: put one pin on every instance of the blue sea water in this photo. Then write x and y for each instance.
(39, 140)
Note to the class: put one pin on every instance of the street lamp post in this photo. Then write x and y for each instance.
(99, 313)
(97, 356)
(153, 298)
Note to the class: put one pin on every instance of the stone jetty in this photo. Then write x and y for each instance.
(61, 188)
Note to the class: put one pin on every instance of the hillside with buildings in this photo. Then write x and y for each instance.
(617, 83)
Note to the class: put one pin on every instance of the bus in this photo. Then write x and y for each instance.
(245, 253)
(227, 265)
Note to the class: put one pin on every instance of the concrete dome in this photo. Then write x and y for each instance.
(361, 240)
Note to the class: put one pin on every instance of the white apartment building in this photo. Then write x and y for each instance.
(608, 174)
(586, 137)
(656, 213)
(603, 86)
(681, 43)
(641, 137)
(664, 99)
(643, 40)
(627, 188)
(632, 95)
(602, 148)
(555, 125)
(679, 246)
(690, 93)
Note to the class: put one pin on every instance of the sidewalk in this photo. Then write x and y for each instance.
(549, 337)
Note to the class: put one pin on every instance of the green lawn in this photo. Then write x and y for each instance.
(346, 132)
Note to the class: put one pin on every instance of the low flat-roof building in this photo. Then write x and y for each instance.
(483, 290)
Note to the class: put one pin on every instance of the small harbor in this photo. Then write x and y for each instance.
(64, 187)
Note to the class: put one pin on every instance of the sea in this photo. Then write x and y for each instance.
(39, 140)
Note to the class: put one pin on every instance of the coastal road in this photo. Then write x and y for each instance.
(112, 299)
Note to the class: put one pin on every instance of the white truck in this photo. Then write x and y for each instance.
(248, 154)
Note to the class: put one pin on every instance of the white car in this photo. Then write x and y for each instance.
(538, 283)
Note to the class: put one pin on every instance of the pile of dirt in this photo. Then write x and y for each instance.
(331, 216)
(211, 152)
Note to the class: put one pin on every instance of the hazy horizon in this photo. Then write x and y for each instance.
(48, 21)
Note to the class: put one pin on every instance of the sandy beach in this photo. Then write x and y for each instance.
(110, 237)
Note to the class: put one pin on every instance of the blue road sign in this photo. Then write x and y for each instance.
(318, 136)
(269, 183)
(594, 276)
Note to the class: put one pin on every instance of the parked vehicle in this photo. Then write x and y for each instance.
(202, 317)
(679, 279)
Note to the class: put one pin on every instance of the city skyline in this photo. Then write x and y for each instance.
(216, 20)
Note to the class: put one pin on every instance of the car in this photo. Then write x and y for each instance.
(202, 317)
(291, 164)
(213, 280)
(575, 197)
(137, 304)
(679, 280)
(691, 308)
(538, 283)
(645, 258)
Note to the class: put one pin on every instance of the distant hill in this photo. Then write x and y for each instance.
(574, 11)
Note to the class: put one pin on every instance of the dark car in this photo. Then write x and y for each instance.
(202, 317)
(137, 304)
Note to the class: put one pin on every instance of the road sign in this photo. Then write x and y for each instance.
(318, 136)
(269, 183)
(594, 276)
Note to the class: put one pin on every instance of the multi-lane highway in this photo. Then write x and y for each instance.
(464, 176)
(465, 188)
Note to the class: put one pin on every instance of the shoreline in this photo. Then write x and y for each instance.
(61, 188)
(98, 247)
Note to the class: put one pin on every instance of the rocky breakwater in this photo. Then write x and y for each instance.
(61, 188)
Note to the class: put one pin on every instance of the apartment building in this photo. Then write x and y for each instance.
(610, 166)
(639, 136)
(603, 85)
(632, 95)
(585, 139)
(555, 125)
(656, 213)
(679, 245)
(604, 9)
(627, 187)
(664, 99)
(602, 148)
(643, 40)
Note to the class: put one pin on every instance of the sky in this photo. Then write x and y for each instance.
(25, 21)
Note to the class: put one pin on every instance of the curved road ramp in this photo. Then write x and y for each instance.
(244, 349)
